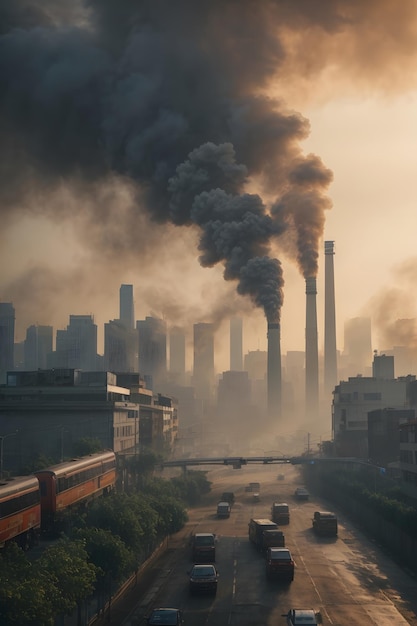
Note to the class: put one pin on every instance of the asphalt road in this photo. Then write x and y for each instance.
(349, 580)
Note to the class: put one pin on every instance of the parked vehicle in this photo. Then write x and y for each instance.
(279, 564)
(223, 509)
(228, 496)
(301, 493)
(203, 548)
(325, 523)
(272, 539)
(302, 617)
(203, 579)
(254, 487)
(257, 528)
(280, 513)
(166, 617)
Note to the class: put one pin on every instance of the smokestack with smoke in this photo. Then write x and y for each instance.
(312, 357)
(330, 352)
(171, 98)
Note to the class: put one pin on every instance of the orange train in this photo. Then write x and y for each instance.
(33, 504)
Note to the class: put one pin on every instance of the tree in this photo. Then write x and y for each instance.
(87, 445)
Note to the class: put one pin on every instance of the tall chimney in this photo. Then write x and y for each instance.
(312, 357)
(330, 351)
(274, 369)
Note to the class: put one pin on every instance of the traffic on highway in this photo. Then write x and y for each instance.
(341, 579)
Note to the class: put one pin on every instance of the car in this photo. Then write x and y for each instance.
(228, 496)
(301, 493)
(302, 617)
(203, 578)
(203, 548)
(279, 564)
(166, 616)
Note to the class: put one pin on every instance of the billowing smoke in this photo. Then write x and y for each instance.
(178, 99)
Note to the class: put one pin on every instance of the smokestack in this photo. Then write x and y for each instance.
(330, 352)
(312, 357)
(274, 369)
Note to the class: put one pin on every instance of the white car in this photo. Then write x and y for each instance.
(302, 617)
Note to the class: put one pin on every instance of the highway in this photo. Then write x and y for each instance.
(349, 580)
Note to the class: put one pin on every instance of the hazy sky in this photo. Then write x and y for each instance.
(109, 115)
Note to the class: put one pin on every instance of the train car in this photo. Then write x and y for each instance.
(20, 511)
(72, 484)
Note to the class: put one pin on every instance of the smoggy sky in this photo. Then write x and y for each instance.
(203, 152)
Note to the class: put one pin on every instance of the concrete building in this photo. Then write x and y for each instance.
(408, 457)
(7, 327)
(120, 347)
(152, 350)
(357, 354)
(38, 347)
(236, 344)
(127, 306)
(50, 410)
(203, 365)
(76, 347)
(177, 356)
(384, 434)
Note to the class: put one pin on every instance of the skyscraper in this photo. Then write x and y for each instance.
(37, 347)
(127, 307)
(7, 325)
(358, 346)
(177, 355)
(76, 347)
(120, 347)
(152, 350)
(236, 340)
(203, 370)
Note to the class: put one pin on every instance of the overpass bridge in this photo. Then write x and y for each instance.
(237, 461)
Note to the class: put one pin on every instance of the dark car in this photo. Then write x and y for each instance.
(166, 617)
(302, 617)
(228, 496)
(301, 493)
(279, 563)
(203, 578)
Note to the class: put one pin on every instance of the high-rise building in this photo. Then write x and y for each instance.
(152, 350)
(7, 326)
(76, 347)
(120, 347)
(236, 344)
(358, 346)
(38, 347)
(177, 355)
(127, 306)
(203, 369)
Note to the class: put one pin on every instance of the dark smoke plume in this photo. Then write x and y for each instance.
(170, 95)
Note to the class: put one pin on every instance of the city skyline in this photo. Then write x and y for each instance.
(67, 242)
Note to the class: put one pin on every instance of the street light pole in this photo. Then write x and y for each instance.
(2, 438)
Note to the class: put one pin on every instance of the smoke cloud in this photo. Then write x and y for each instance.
(184, 100)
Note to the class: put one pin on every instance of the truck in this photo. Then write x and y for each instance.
(280, 513)
(203, 548)
(223, 509)
(272, 538)
(325, 523)
(256, 530)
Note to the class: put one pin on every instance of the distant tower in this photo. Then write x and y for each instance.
(37, 347)
(177, 355)
(127, 307)
(358, 346)
(236, 350)
(152, 341)
(203, 370)
(7, 323)
(312, 357)
(330, 351)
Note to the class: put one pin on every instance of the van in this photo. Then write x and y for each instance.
(325, 523)
(223, 509)
(203, 548)
(256, 529)
(280, 513)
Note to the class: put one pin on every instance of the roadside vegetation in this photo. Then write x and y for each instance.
(101, 547)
